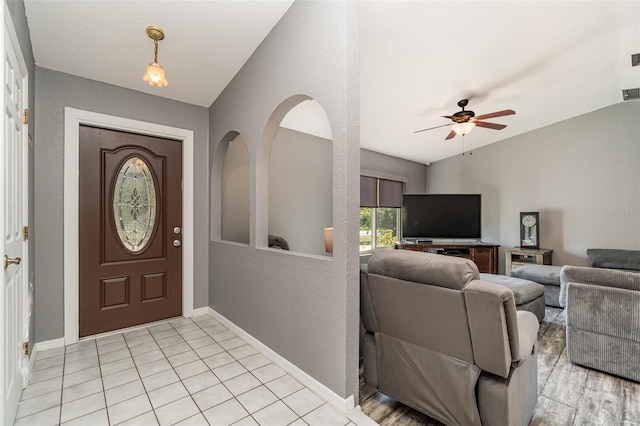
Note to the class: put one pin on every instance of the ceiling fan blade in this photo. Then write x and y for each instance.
(495, 114)
(451, 135)
(431, 128)
(493, 126)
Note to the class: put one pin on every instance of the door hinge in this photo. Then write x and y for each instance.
(25, 233)
(25, 116)
(25, 348)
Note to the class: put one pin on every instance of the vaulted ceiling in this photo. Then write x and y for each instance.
(548, 61)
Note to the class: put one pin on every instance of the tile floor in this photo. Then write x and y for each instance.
(185, 371)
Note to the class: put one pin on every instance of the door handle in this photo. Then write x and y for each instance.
(8, 261)
(177, 243)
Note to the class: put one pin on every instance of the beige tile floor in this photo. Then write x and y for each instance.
(185, 372)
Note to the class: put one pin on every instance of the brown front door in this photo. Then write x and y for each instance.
(130, 229)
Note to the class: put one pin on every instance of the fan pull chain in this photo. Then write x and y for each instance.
(470, 148)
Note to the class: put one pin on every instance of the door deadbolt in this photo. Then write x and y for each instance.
(177, 243)
(177, 230)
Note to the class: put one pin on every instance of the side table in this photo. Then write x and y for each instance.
(516, 256)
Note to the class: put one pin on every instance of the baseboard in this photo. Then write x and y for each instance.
(48, 344)
(200, 311)
(345, 406)
(360, 418)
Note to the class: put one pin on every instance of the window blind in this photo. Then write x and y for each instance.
(368, 191)
(377, 192)
(389, 193)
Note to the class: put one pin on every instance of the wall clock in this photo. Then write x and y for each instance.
(529, 230)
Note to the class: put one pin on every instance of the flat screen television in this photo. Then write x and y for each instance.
(446, 216)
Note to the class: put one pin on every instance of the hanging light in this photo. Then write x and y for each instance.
(463, 128)
(155, 74)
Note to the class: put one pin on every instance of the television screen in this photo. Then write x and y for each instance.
(441, 216)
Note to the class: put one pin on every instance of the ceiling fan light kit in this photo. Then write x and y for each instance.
(464, 121)
(463, 129)
(155, 73)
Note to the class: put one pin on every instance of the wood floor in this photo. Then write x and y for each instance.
(567, 394)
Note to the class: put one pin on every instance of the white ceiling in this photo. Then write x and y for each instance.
(205, 45)
(547, 60)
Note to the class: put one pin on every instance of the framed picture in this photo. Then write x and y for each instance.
(529, 230)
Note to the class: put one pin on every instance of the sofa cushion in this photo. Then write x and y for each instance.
(523, 290)
(425, 268)
(614, 259)
(543, 274)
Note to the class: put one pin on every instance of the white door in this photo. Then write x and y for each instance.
(13, 216)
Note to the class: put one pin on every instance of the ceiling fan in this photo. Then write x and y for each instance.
(464, 121)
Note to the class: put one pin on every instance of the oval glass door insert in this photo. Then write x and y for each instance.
(134, 204)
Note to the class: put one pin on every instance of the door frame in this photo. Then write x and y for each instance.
(73, 118)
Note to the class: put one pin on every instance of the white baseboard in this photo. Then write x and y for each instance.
(200, 311)
(360, 418)
(345, 406)
(48, 344)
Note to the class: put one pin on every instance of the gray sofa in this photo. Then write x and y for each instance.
(602, 312)
(440, 340)
(549, 275)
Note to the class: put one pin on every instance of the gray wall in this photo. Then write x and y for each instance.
(582, 175)
(19, 19)
(416, 173)
(55, 91)
(301, 190)
(304, 307)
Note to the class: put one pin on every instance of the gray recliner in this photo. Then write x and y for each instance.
(440, 340)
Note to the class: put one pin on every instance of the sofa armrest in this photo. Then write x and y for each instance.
(493, 325)
(596, 276)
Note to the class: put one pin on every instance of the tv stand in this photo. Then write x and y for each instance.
(423, 241)
(484, 255)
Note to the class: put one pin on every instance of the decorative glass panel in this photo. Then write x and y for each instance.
(134, 204)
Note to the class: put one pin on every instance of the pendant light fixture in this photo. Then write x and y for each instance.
(155, 74)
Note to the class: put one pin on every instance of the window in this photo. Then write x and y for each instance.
(381, 222)
(380, 202)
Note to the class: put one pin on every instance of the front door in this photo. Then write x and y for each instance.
(13, 218)
(130, 208)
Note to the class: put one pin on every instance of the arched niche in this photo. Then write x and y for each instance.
(300, 176)
(235, 187)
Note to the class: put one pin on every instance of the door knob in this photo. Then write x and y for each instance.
(176, 243)
(8, 261)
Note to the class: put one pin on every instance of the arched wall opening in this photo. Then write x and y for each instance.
(300, 177)
(235, 196)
